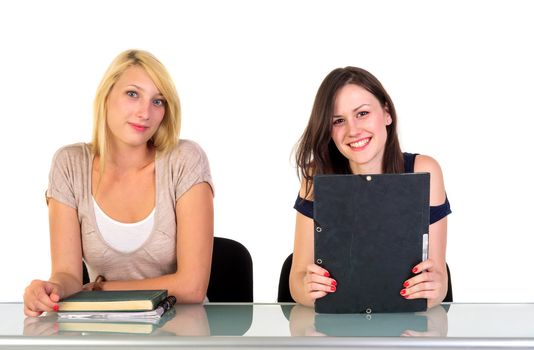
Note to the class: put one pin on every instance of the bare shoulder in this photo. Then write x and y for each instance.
(424, 163)
(302, 192)
(427, 164)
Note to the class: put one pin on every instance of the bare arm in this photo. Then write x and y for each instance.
(307, 281)
(194, 217)
(432, 282)
(66, 252)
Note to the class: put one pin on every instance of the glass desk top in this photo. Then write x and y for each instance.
(454, 325)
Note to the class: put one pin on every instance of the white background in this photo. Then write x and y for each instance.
(459, 72)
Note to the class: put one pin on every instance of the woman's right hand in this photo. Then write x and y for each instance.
(317, 282)
(41, 296)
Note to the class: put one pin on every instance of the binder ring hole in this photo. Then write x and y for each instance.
(319, 261)
(368, 311)
(368, 177)
(369, 317)
(318, 229)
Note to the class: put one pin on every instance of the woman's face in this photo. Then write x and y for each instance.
(135, 108)
(359, 128)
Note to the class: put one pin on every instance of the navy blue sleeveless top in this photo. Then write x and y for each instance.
(305, 207)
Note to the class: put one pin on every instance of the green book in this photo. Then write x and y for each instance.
(113, 300)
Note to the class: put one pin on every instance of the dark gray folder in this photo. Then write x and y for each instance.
(369, 234)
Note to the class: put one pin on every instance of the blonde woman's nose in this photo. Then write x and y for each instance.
(143, 109)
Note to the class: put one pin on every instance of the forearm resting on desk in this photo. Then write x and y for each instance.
(186, 289)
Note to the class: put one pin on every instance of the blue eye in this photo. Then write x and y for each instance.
(159, 102)
(131, 93)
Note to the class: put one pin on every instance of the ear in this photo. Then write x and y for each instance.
(389, 120)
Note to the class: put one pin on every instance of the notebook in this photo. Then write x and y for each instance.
(111, 325)
(117, 300)
(369, 233)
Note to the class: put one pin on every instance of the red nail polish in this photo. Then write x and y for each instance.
(326, 274)
(414, 270)
(56, 307)
(403, 291)
(334, 283)
(333, 288)
(406, 284)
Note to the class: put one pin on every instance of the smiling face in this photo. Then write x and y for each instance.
(135, 108)
(359, 129)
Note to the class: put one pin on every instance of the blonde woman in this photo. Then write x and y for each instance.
(136, 204)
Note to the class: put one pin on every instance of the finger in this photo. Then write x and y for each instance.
(31, 313)
(327, 281)
(318, 270)
(38, 305)
(43, 301)
(312, 287)
(426, 294)
(52, 289)
(314, 333)
(423, 265)
(421, 278)
(423, 286)
(55, 297)
(318, 294)
(411, 333)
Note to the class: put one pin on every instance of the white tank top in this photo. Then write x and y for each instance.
(121, 236)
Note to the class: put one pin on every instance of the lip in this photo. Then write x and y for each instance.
(362, 147)
(138, 127)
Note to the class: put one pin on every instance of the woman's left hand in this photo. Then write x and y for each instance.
(430, 282)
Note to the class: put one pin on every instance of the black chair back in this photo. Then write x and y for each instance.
(231, 272)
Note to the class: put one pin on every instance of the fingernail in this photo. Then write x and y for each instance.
(403, 291)
(334, 283)
(406, 284)
(327, 274)
(56, 307)
(414, 270)
(333, 288)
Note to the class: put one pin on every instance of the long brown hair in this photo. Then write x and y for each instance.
(316, 152)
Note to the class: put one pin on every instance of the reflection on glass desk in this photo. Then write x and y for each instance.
(454, 325)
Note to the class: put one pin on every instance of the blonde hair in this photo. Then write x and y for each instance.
(168, 132)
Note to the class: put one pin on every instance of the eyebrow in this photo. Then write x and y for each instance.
(354, 110)
(140, 88)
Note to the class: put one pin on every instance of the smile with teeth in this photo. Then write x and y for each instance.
(360, 143)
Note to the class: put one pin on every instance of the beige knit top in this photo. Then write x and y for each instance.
(176, 172)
